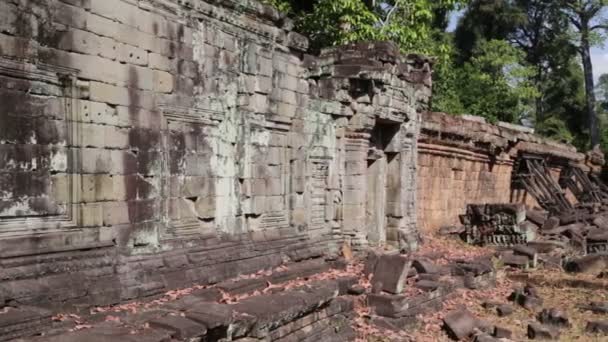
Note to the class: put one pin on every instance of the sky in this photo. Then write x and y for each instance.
(599, 55)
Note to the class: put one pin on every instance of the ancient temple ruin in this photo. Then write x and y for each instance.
(151, 144)
(147, 145)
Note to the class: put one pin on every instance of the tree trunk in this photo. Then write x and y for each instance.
(594, 132)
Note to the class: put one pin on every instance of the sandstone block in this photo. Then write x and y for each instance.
(391, 271)
(163, 82)
(131, 54)
(460, 324)
(182, 328)
(538, 331)
(598, 327)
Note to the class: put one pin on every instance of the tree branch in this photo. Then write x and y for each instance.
(390, 13)
(599, 26)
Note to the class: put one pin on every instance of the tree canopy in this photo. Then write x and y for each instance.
(520, 61)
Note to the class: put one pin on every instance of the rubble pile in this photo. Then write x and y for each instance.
(407, 286)
(521, 234)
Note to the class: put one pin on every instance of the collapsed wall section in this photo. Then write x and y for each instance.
(151, 144)
(465, 160)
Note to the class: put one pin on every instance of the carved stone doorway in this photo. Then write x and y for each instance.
(382, 169)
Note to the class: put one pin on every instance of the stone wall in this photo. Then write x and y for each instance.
(149, 144)
(465, 160)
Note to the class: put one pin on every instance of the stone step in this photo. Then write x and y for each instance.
(16, 322)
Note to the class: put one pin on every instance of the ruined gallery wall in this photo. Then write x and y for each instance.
(465, 160)
(151, 144)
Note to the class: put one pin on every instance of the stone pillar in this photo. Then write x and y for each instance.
(355, 187)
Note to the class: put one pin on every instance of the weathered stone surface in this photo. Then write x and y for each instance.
(425, 266)
(550, 224)
(591, 264)
(538, 331)
(528, 298)
(181, 327)
(460, 324)
(387, 305)
(504, 310)
(599, 327)
(596, 307)
(553, 317)
(427, 285)
(520, 261)
(500, 332)
(537, 216)
(391, 271)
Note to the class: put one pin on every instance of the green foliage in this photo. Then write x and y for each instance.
(497, 84)
(283, 6)
(408, 23)
(555, 129)
(339, 22)
(509, 60)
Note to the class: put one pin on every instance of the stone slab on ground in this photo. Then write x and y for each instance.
(425, 266)
(111, 332)
(273, 310)
(597, 327)
(460, 324)
(504, 310)
(180, 327)
(537, 216)
(22, 321)
(596, 307)
(537, 331)
(553, 317)
(391, 271)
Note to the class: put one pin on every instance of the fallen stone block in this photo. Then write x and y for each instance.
(537, 216)
(483, 337)
(424, 266)
(598, 327)
(500, 332)
(551, 223)
(596, 307)
(356, 290)
(554, 317)
(601, 221)
(452, 230)
(220, 319)
(538, 331)
(460, 324)
(597, 242)
(527, 298)
(391, 271)
(546, 246)
(180, 327)
(528, 252)
(504, 310)
(490, 304)
(517, 261)
(274, 310)
(387, 305)
(345, 284)
(431, 277)
(427, 285)
(393, 324)
(475, 268)
(590, 264)
(369, 267)
(532, 303)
